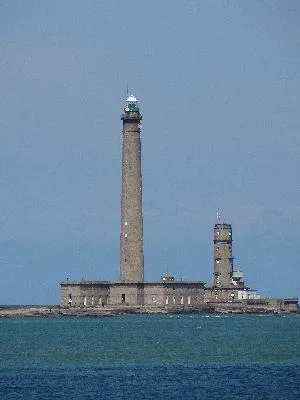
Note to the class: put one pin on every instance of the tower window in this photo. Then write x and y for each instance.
(123, 298)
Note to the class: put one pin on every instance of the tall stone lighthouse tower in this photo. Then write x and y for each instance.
(131, 238)
(223, 260)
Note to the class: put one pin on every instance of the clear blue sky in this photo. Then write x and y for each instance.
(218, 84)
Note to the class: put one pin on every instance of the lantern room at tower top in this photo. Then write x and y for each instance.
(131, 104)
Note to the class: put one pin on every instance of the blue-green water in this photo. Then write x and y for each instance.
(151, 357)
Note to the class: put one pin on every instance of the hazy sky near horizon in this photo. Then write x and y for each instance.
(218, 84)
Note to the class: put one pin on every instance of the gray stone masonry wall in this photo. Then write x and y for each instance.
(131, 236)
(152, 294)
(184, 294)
(215, 294)
(171, 295)
(84, 293)
(124, 294)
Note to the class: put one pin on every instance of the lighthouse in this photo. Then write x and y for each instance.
(131, 232)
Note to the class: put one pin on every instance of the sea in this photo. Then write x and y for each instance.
(173, 356)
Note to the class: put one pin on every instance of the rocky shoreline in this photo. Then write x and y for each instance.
(57, 311)
(53, 311)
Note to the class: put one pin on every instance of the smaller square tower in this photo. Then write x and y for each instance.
(223, 260)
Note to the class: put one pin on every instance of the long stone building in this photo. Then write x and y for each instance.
(227, 288)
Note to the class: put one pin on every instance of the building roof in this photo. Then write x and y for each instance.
(131, 99)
